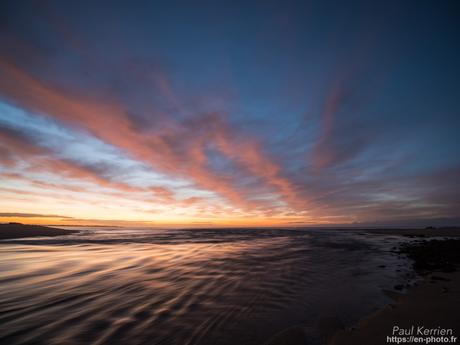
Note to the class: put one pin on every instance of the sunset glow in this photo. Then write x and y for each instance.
(161, 119)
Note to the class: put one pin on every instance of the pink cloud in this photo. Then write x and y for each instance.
(178, 150)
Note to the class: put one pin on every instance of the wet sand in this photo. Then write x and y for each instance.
(432, 303)
(16, 230)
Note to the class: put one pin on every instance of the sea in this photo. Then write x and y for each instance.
(112, 285)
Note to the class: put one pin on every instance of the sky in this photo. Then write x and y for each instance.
(230, 113)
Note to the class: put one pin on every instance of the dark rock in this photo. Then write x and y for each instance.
(433, 255)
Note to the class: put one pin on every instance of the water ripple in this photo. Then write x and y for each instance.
(183, 287)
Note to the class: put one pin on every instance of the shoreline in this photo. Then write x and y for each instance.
(431, 232)
(428, 306)
(17, 230)
(429, 303)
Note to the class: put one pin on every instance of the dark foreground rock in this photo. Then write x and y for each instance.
(432, 303)
(433, 255)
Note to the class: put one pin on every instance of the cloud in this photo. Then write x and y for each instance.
(40, 159)
(344, 132)
(31, 215)
(179, 150)
(181, 147)
(121, 116)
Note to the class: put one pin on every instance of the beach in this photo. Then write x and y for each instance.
(432, 304)
(222, 286)
(229, 172)
(428, 310)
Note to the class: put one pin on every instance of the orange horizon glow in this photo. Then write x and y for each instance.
(172, 223)
(121, 124)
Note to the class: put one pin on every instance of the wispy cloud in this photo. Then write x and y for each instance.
(278, 121)
(31, 215)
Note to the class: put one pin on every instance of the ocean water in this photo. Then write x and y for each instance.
(221, 286)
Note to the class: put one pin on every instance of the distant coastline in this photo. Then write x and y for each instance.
(18, 230)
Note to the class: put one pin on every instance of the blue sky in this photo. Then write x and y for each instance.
(247, 113)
